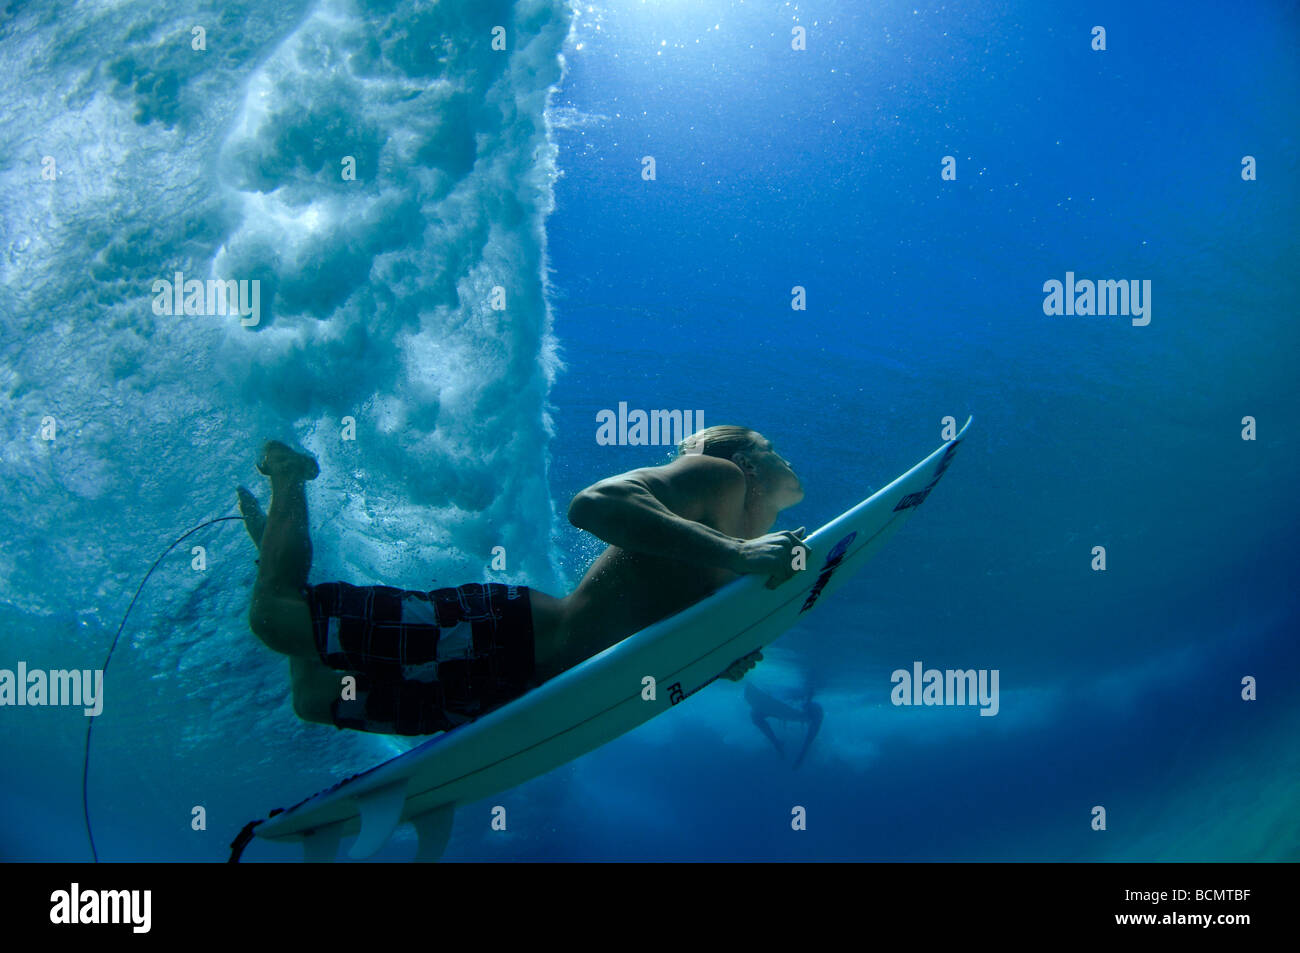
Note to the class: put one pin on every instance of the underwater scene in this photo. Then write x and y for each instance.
(408, 376)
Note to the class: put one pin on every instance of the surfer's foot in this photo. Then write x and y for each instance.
(254, 517)
(283, 462)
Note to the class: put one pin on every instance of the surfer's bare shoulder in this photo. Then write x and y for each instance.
(694, 486)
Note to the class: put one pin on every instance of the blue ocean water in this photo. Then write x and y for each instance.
(128, 155)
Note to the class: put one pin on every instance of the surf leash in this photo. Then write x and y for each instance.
(90, 723)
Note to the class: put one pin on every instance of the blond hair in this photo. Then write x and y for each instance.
(721, 440)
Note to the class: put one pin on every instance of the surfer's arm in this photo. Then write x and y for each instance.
(642, 511)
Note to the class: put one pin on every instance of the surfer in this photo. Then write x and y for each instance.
(423, 662)
(763, 706)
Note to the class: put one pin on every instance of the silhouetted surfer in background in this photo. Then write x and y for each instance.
(763, 706)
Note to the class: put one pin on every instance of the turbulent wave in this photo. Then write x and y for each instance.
(383, 173)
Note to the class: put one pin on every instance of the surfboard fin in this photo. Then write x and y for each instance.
(381, 812)
(321, 847)
(433, 830)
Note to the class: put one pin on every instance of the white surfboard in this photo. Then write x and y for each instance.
(600, 699)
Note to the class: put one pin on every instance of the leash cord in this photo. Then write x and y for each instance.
(90, 723)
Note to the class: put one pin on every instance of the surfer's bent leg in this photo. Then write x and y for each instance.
(278, 614)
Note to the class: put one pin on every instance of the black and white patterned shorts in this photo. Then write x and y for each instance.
(431, 660)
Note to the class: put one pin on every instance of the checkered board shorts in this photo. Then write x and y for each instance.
(425, 661)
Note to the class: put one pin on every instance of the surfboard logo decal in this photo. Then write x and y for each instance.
(917, 498)
(676, 694)
(832, 562)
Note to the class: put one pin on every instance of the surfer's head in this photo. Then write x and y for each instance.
(768, 474)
